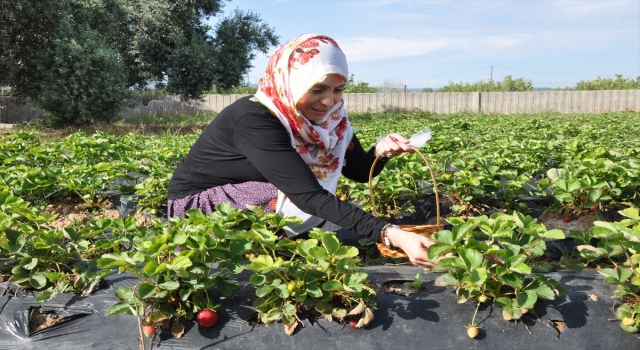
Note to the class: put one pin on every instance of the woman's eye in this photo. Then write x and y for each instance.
(317, 91)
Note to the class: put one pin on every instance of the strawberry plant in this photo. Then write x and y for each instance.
(493, 261)
(619, 245)
(174, 263)
(40, 257)
(318, 274)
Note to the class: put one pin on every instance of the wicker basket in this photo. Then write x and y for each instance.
(425, 230)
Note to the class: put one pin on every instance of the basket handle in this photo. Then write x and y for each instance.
(433, 178)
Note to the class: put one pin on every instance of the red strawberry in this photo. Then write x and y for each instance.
(353, 323)
(594, 207)
(207, 318)
(566, 218)
(148, 330)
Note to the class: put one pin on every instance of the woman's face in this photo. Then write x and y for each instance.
(317, 102)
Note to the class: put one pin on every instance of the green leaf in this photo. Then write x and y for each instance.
(29, 263)
(332, 286)
(118, 308)
(257, 279)
(339, 312)
(438, 249)
(38, 281)
(331, 243)
(472, 258)
(526, 299)
(125, 294)
(554, 234)
(522, 268)
(272, 316)
(169, 285)
(261, 263)
(264, 290)
(146, 290)
(478, 276)
(446, 280)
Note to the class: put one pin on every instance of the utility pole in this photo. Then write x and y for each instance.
(491, 73)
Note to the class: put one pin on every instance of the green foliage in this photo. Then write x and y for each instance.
(617, 244)
(81, 60)
(39, 257)
(319, 273)
(494, 258)
(236, 40)
(358, 87)
(508, 84)
(240, 89)
(619, 83)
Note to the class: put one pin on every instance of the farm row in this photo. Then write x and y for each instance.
(575, 164)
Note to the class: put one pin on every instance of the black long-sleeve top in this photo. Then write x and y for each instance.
(245, 142)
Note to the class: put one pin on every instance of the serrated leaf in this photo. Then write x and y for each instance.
(257, 279)
(169, 285)
(471, 257)
(522, 268)
(261, 263)
(438, 249)
(38, 281)
(332, 286)
(554, 234)
(331, 243)
(446, 280)
(264, 290)
(118, 308)
(146, 290)
(339, 312)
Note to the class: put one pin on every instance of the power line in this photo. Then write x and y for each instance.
(535, 71)
(436, 75)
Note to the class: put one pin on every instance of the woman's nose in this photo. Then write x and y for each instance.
(327, 100)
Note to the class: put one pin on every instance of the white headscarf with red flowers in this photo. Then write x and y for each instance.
(295, 68)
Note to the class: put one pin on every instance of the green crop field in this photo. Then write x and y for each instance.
(575, 164)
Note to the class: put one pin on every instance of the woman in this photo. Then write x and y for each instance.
(291, 141)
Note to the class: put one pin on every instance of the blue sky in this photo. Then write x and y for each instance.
(428, 43)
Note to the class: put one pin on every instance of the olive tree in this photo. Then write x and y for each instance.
(81, 60)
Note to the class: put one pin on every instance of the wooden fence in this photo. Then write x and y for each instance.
(434, 102)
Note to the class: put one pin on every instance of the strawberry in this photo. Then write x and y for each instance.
(207, 318)
(594, 207)
(148, 330)
(566, 218)
(353, 323)
(472, 331)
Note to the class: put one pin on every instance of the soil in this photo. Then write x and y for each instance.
(555, 221)
(74, 212)
(40, 320)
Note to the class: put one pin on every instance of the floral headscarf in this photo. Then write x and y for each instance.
(295, 67)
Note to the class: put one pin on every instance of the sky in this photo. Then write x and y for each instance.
(429, 43)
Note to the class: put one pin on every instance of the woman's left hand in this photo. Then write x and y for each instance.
(393, 145)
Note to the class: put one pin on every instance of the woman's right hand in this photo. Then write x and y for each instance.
(413, 244)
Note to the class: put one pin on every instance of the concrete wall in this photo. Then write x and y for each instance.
(434, 102)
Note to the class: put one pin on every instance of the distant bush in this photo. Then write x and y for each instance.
(619, 83)
(508, 84)
(358, 87)
(240, 89)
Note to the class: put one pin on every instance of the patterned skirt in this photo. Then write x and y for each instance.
(256, 193)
